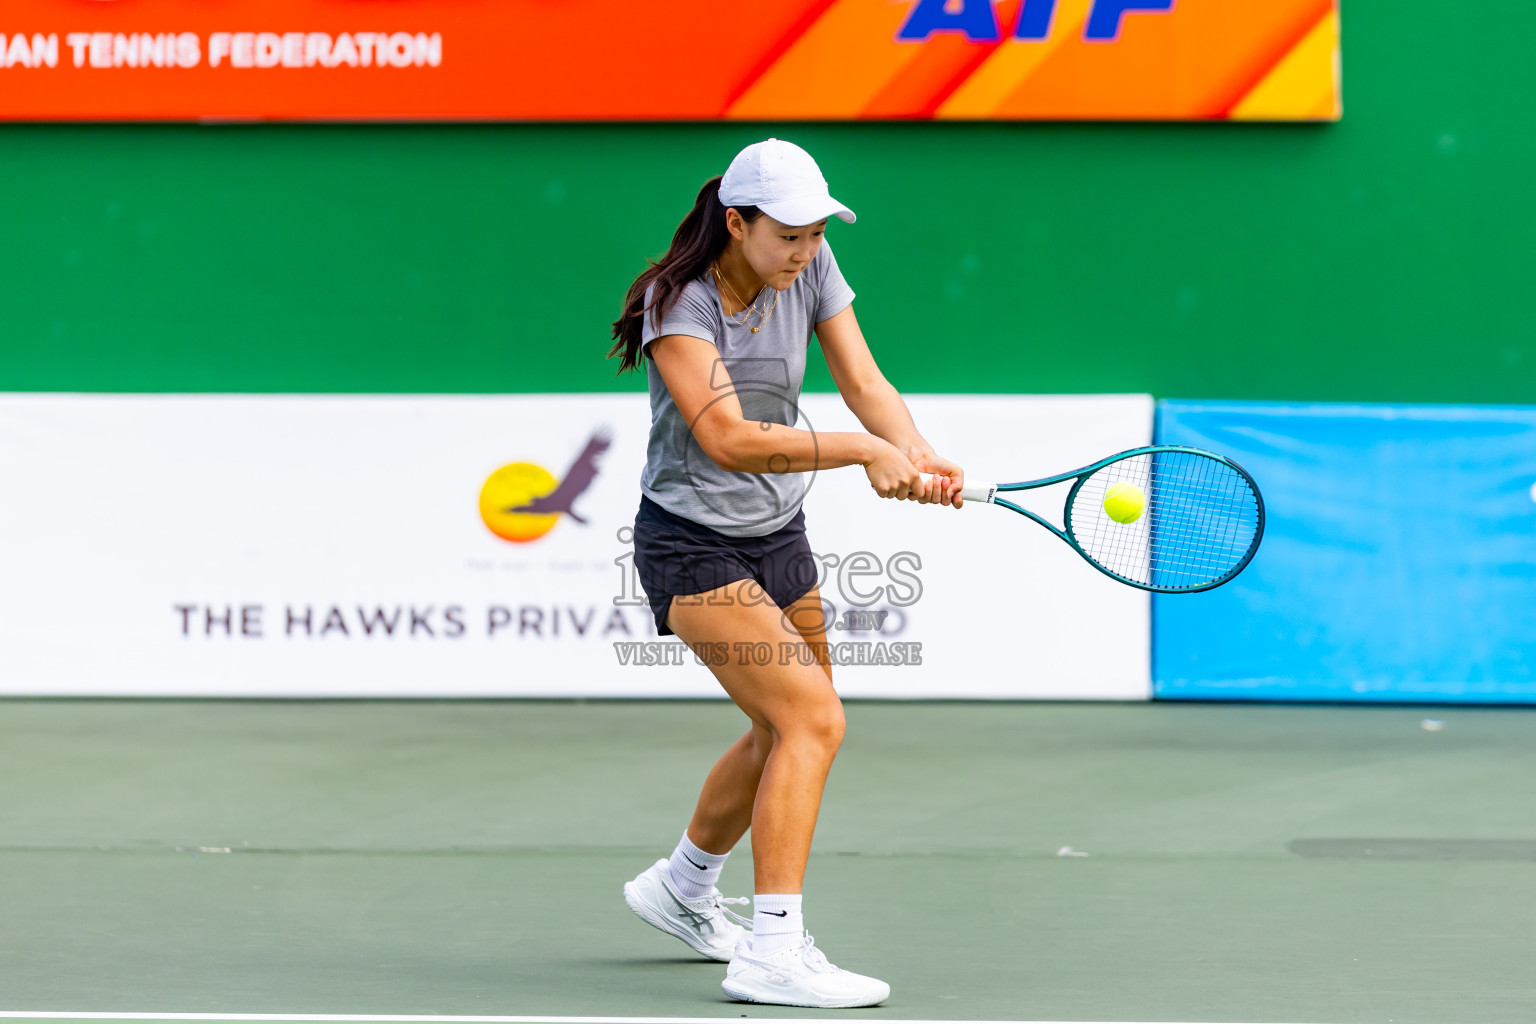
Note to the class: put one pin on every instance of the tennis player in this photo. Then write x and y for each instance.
(726, 318)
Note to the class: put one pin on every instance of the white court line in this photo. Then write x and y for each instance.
(387, 1018)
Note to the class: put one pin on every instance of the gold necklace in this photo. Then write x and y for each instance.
(748, 308)
(746, 313)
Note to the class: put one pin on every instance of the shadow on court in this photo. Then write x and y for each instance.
(992, 861)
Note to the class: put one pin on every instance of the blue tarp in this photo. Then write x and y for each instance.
(1398, 561)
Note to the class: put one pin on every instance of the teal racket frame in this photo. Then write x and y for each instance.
(1068, 534)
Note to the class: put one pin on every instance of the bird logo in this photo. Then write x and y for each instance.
(522, 501)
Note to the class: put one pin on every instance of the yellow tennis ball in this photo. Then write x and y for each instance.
(1124, 502)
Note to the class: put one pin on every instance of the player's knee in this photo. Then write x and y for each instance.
(825, 726)
(837, 726)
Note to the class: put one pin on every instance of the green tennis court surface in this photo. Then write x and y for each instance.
(993, 862)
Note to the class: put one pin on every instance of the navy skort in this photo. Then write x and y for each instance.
(676, 556)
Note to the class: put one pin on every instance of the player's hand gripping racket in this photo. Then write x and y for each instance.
(1166, 518)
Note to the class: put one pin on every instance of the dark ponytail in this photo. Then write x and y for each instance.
(700, 238)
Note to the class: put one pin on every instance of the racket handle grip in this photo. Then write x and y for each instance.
(973, 490)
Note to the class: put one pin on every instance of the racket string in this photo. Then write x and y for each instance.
(1199, 525)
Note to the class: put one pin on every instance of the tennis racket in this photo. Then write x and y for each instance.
(1201, 524)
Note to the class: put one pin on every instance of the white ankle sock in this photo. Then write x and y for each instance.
(776, 922)
(695, 872)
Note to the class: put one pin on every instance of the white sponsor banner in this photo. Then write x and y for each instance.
(335, 546)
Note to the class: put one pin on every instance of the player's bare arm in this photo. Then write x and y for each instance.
(880, 408)
(693, 371)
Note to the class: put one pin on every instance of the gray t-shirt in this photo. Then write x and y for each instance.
(764, 371)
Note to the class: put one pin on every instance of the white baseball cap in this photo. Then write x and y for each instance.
(783, 181)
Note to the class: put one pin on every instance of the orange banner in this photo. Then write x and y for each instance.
(616, 60)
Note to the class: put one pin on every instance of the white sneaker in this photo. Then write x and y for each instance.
(798, 975)
(704, 924)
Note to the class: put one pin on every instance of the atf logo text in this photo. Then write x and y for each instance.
(978, 20)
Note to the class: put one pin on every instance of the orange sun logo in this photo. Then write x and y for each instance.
(522, 501)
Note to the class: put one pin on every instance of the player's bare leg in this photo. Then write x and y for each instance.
(724, 810)
(796, 715)
(792, 701)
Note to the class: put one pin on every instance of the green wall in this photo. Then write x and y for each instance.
(1387, 257)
